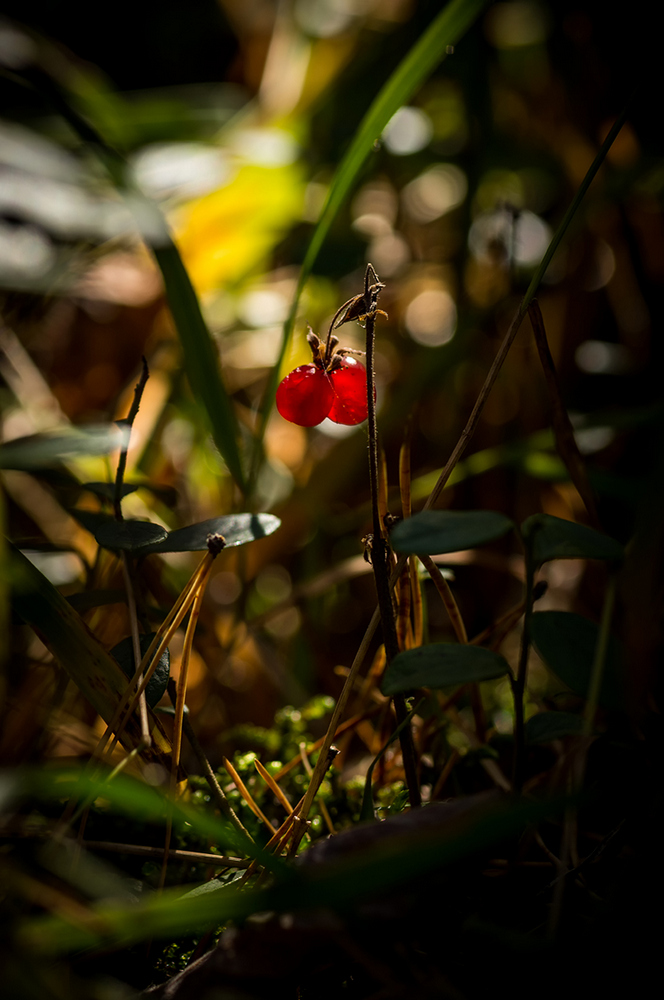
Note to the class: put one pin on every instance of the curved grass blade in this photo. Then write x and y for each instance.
(200, 356)
(400, 852)
(93, 670)
(445, 31)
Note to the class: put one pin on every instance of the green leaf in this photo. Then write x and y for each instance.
(566, 643)
(547, 537)
(93, 670)
(237, 529)
(91, 519)
(213, 886)
(201, 357)
(106, 491)
(547, 726)
(39, 450)
(124, 654)
(442, 664)
(436, 531)
(445, 31)
(129, 536)
(87, 599)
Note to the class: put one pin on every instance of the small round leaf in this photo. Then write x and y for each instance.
(547, 726)
(129, 536)
(237, 529)
(566, 643)
(432, 532)
(547, 537)
(442, 664)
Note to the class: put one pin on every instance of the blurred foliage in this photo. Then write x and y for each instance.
(236, 120)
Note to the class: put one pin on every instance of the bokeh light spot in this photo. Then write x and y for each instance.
(408, 131)
(431, 317)
(435, 192)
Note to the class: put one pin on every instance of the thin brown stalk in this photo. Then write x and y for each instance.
(404, 630)
(148, 664)
(566, 445)
(246, 794)
(381, 552)
(321, 805)
(444, 774)
(173, 854)
(273, 786)
(216, 790)
(447, 597)
(416, 598)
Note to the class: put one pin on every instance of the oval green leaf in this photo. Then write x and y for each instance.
(434, 531)
(547, 726)
(124, 654)
(91, 520)
(442, 664)
(547, 537)
(129, 536)
(106, 491)
(237, 529)
(566, 643)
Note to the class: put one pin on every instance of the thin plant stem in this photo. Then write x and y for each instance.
(456, 620)
(531, 291)
(222, 803)
(179, 715)
(136, 645)
(323, 808)
(447, 597)
(519, 682)
(129, 699)
(380, 554)
(125, 556)
(599, 659)
(174, 854)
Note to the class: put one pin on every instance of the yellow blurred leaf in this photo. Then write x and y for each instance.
(226, 234)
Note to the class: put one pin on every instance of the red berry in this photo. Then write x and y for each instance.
(305, 396)
(349, 382)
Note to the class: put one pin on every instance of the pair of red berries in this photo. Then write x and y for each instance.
(333, 386)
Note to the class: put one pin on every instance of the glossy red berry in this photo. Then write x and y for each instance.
(305, 396)
(349, 381)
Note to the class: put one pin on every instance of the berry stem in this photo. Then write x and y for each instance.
(380, 555)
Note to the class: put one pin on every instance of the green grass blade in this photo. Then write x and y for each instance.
(200, 357)
(93, 670)
(430, 49)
